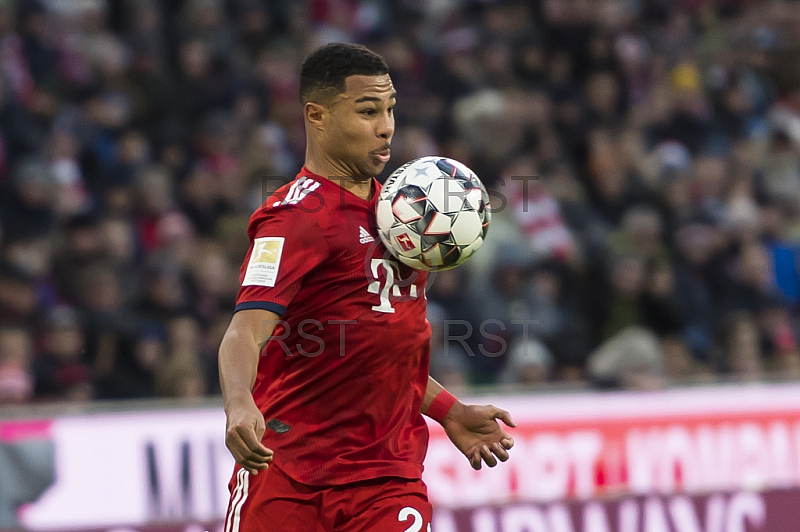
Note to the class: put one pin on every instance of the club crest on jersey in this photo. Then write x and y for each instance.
(364, 236)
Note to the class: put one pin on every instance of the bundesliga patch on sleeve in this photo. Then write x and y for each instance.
(262, 270)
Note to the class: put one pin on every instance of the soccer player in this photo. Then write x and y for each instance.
(324, 367)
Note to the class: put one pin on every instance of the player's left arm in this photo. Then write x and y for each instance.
(473, 429)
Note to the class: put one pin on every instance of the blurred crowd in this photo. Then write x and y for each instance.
(643, 158)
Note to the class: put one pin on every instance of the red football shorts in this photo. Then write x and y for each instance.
(273, 502)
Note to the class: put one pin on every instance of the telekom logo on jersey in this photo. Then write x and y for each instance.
(390, 287)
(385, 282)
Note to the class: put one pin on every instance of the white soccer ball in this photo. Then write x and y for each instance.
(433, 213)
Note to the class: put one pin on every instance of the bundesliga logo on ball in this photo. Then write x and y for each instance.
(433, 213)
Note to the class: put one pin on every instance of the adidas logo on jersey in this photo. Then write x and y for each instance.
(364, 235)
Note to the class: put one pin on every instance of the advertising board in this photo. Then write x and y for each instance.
(700, 460)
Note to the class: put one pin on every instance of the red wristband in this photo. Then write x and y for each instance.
(441, 405)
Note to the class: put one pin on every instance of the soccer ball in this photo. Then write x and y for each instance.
(433, 213)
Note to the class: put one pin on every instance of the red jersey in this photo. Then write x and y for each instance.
(342, 380)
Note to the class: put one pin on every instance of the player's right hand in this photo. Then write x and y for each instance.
(244, 429)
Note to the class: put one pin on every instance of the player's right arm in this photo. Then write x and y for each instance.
(286, 243)
(238, 363)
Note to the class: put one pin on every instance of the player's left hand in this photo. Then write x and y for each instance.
(474, 430)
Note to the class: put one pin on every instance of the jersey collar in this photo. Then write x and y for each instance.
(350, 197)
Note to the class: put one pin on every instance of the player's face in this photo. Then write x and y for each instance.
(361, 124)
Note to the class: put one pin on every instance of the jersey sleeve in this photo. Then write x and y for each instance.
(285, 245)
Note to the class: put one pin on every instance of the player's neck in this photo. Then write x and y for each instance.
(342, 177)
(362, 189)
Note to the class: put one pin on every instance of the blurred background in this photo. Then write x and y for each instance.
(643, 158)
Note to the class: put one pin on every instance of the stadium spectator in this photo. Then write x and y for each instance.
(16, 377)
(59, 371)
(740, 353)
(181, 378)
(631, 359)
(18, 297)
(529, 363)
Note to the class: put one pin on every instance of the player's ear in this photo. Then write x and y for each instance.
(315, 114)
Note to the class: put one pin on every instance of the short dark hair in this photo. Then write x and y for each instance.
(326, 68)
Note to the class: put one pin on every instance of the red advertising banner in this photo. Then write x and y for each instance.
(623, 444)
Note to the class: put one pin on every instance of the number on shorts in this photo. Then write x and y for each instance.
(407, 512)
